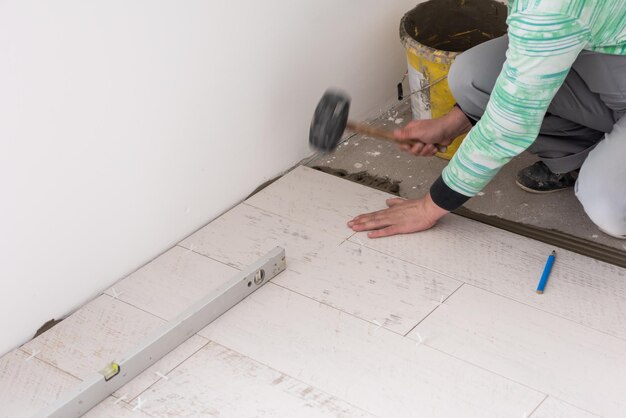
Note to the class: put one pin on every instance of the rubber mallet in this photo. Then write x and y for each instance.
(330, 120)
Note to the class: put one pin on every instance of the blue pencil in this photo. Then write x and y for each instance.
(546, 273)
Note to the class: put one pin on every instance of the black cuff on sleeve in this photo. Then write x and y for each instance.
(445, 197)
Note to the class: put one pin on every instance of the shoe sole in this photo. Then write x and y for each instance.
(529, 190)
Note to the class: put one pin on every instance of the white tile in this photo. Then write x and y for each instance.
(558, 357)
(27, 385)
(92, 337)
(370, 367)
(554, 408)
(161, 368)
(219, 381)
(114, 408)
(373, 286)
(584, 290)
(319, 200)
(244, 234)
(360, 281)
(172, 282)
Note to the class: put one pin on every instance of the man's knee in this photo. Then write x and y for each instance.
(473, 74)
(460, 78)
(604, 209)
(601, 185)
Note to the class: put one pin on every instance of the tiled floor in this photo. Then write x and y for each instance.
(444, 323)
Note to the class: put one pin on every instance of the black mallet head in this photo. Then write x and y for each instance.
(329, 120)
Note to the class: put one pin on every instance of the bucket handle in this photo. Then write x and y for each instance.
(401, 90)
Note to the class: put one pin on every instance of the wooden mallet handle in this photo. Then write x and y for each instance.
(362, 128)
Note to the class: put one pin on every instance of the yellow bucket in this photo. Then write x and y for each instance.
(433, 34)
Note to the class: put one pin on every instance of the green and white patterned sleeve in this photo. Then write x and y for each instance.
(542, 49)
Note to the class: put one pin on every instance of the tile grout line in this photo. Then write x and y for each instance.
(494, 293)
(207, 342)
(276, 370)
(129, 406)
(137, 307)
(364, 244)
(547, 312)
(21, 348)
(295, 221)
(105, 289)
(271, 281)
(485, 369)
(206, 256)
(537, 407)
(425, 344)
(504, 377)
(435, 308)
(344, 181)
(337, 309)
(44, 361)
(567, 403)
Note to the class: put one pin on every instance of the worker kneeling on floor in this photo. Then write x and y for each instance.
(555, 86)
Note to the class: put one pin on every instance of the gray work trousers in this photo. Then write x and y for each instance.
(584, 127)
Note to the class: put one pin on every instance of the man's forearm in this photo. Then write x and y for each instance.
(456, 123)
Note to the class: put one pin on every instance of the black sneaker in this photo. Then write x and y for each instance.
(538, 178)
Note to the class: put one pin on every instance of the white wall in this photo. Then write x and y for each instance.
(126, 125)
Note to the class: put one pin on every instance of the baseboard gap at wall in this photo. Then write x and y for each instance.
(48, 325)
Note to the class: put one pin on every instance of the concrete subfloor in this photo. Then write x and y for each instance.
(502, 198)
